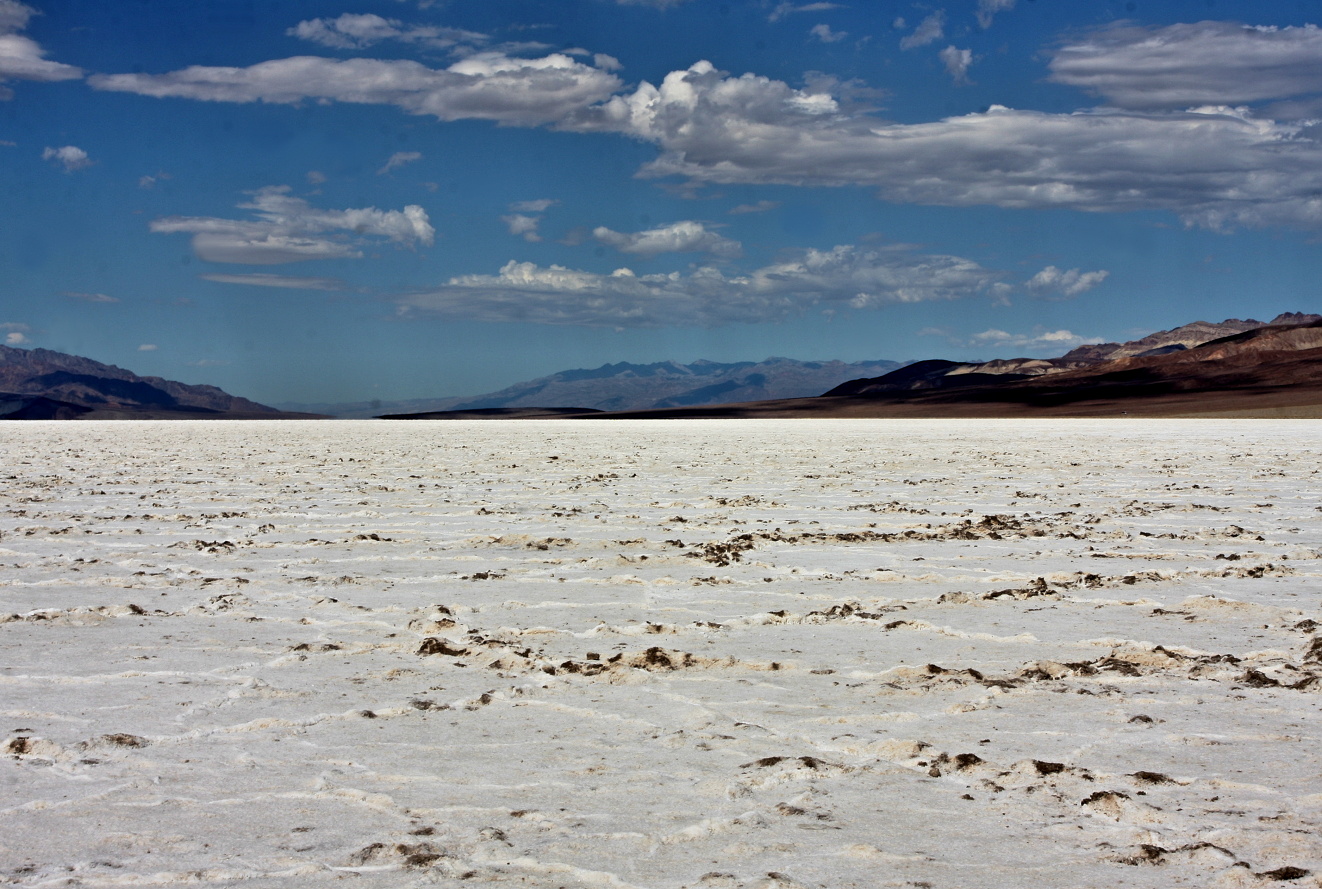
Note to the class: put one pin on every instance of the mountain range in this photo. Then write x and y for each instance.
(939, 374)
(39, 384)
(626, 387)
(1266, 369)
(1233, 365)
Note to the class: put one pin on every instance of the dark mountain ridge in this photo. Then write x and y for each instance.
(937, 374)
(41, 384)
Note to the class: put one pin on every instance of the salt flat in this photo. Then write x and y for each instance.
(661, 654)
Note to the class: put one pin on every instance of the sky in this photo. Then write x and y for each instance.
(314, 201)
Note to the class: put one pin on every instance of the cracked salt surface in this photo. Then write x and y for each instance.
(661, 654)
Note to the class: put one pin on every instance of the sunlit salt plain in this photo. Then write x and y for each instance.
(661, 654)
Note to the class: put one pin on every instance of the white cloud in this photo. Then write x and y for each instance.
(526, 226)
(22, 58)
(679, 237)
(1039, 340)
(1184, 65)
(149, 182)
(957, 62)
(987, 10)
(845, 277)
(208, 362)
(1051, 281)
(1215, 167)
(521, 222)
(147, 347)
(16, 334)
(288, 229)
(759, 207)
(929, 30)
(353, 31)
(485, 86)
(71, 157)
(826, 35)
(540, 205)
(14, 16)
(399, 159)
(785, 9)
(90, 297)
(316, 177)
(291, 282)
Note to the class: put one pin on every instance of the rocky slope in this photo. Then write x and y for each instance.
(956, 375)
(39, 384)
(1267, 371)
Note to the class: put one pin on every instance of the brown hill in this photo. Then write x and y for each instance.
(47, 385)
(949, 374)
(1273, 370)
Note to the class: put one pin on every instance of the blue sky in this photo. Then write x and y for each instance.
(336, 200)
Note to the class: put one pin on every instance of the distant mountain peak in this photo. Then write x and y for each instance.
(626, 386)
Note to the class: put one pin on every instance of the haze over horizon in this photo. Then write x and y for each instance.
(316, 201)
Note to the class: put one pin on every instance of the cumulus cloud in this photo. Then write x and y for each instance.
(353, 31)
(784, 9)
(485, 86)
(1040, 339)
(290, 282)
(289, 229)
(957, 62)
(525, 226)
(71, 157)
(845, 277)
(1051, 281)
(1184, 65)
(679, 237)
(90, 297)
(399, 159)
(826, 35)
(16, 334)
(22, 58)
(759, 207)
(987, 10)
(147, 347)
(929, 30)
(1215, 167)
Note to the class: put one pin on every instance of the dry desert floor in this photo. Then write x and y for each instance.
(733, 654)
